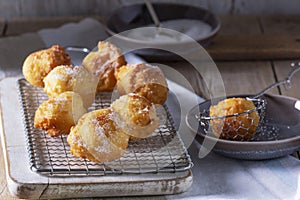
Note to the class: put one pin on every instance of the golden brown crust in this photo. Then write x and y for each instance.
(242, 127)
(95, 137)
(143, 79)
(77, 148)
(103, 64)
(135, 115)
(71, 78)
(60, 79)
(58, 114)
(38, 64)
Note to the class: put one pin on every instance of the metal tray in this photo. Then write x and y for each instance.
(163, 151)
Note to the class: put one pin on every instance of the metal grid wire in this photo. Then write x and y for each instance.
(237, 126)
(163, 151)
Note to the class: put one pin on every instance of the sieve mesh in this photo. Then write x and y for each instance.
(238, 126)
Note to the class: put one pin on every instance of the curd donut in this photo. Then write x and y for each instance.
(143, 79)
(135, 115)
(38, 64)
(58, 114)
(103, 63)
(240, 127)
(71, 78)
(97, 138)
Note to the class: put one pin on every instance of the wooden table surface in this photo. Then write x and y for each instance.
(251, 53)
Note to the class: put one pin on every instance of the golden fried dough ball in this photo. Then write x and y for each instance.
(241, 127)
(71, 78)
(58, 114)
(38, 64)
(77, 148)
(103, 63)
(96, 137)
(135, 115)
(143, 79)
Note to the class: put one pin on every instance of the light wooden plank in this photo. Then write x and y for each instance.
(281, 24)
(282, 69)
(18, 26)
(239, 24)
(246, 77)
(4, 192)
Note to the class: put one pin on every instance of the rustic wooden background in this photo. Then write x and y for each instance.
(33, 8)
(241, 75)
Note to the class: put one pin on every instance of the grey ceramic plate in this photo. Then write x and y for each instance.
(280, 135)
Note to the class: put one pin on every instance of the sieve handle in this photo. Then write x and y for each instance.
(286, 81)
(152, 13)
(78, 49)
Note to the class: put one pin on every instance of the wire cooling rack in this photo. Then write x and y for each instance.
(163, 151)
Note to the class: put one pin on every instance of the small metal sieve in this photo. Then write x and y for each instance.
(242, 126)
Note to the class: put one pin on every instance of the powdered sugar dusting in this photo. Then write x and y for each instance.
(104, 145)
(76, 140)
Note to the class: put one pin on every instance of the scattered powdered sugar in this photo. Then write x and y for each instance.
(99, 130)
(77, 140)
(72, 70)
(193, 28)
(105, 145)
(146, 109)
(111, 116)
(120, 122)
(58, 76)
(196, 29)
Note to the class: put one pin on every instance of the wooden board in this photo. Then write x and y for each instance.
(2, 26)
(24, 183)
(257, 38)
(239, 24)
(280, 24)
(244, 78)
(255, 47)
(4, 192)
(238, 77)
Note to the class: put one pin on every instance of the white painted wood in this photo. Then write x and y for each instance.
(21, 180)
(24, 183)
(34, 8)
(222, 7)
(10, 8)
